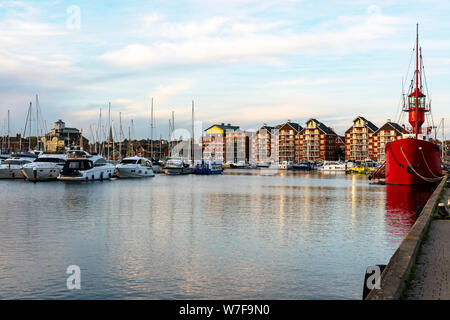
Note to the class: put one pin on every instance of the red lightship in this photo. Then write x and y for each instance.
(414, 159)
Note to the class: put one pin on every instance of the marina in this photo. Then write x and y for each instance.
(243, 234)
(225, 156)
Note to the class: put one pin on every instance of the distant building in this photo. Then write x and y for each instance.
(357, 140)
(17, 144)
(215, 141)
(262, 144)
(61, 136)
(390, 131)
(288, 141)
(317, 142)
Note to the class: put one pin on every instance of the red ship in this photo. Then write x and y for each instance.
(414, 159)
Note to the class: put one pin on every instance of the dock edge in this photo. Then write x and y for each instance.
(395, 276)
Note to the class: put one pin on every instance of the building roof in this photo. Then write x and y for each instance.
(368, 123)
(224, 127)
(294, 125)
(322, 126)
(393, 125)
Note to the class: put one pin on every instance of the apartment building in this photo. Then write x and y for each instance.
(357, 140)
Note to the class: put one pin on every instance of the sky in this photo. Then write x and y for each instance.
(244, 62)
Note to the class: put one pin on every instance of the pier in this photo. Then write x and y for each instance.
(419, 267)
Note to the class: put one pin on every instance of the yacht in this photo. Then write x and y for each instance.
(82, 166)
(332, 166)
(45, 167)
(157, 166)
(239, 165)
(134, 167)
(11, 168)
(3, 157)
(176, 166)
(286, 165)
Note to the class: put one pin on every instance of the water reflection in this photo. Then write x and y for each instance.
(243, 235)
(402, 202)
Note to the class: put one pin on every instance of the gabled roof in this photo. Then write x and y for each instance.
(293, 125)
(321, 126)
(393, 125)
(266, 127)
(368, 123)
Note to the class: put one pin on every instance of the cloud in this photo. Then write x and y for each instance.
(221, 40)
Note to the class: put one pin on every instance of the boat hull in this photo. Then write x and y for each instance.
(412, 162)
(134, 172)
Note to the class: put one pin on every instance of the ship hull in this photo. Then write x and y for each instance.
(412, 162)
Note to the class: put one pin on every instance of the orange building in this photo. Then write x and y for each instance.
(288, 141)
(318, 142)
(357, 140)
(390, 131)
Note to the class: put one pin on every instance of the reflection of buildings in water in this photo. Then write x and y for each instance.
(401, 205)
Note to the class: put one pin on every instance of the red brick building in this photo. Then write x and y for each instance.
(288, 141)
(318, 142)
(390, 131)
(357, 140)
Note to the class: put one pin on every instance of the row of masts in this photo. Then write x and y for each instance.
(103, 143)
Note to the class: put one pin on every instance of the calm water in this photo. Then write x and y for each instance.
(241, 235)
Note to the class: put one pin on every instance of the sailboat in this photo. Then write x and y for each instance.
(414, 159)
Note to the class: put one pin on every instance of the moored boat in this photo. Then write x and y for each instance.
(134, 167)
(82, 166)
(208, 168)
(45, 167)
(176, 166)
(414, 159)
(11, 168)
(332, 166)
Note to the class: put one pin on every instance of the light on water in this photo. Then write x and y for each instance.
(242, 235)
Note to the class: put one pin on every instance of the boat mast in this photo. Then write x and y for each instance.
(109, 129)
(120, 136)
(151, 132)
(192, 139)
(9, 140)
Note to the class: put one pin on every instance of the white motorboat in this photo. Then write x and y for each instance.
(82, 166)
(12, 168)
(158, 167)
(334, 166)
(286, 165)
(45, 167)
(176, 166)
(134, 167)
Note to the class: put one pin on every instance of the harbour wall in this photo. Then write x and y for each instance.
(395, 275)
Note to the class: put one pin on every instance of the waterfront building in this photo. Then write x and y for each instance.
(318, 142)
(17, 144)
(214, 145)
(390, 131)
(288, 141)
(262, 144)
(61, 136)
(357, 140)
(237, 146)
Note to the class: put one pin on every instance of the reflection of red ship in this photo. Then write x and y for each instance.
(401, 205)
(414, 159)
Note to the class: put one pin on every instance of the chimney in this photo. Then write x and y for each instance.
(388, 120)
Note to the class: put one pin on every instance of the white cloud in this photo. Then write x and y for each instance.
(226, 40)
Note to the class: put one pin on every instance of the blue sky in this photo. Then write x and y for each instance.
(244, 62)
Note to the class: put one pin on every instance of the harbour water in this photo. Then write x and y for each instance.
(240, 235)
